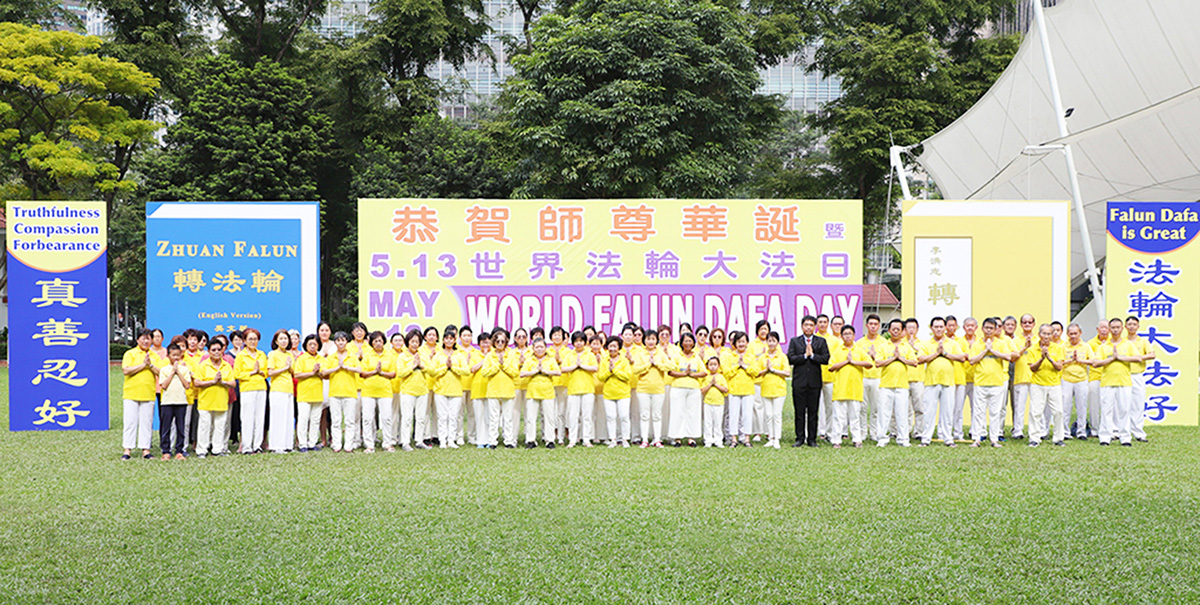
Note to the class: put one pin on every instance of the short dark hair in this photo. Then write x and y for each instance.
(808, 318)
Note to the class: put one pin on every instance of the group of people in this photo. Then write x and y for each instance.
(641, 386)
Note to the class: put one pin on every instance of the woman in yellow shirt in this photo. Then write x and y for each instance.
(310, 394)
(250, 368)
(616, 373)
(519, 344)
(413, 389)
(685, 393)
(478, 390)
(448, 390)
(652, 390)
(282, 396)
(540, 369)
(501, 366)
(557, 346)
(775, 373)
(757, 347)
(378, 370)
(740, 371)
(213, 377)
(342, 370)
(848, 363)
(140, 367)
(714, 389)
(471, 354)
(579, 366)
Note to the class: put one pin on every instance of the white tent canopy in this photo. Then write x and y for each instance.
(1129, 74)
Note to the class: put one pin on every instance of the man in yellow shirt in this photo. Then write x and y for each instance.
(848, 364)
(1022, 375)
(988, 356)
(964, 394)
(1114, 358)
(1144, 352)
(1102, 336)
(140, 367)
(869, 419)
(1078, 356)
(939, 354)
(826, 402)
(916, 378)
(894, 358)
(213, 377)
(1046, 363)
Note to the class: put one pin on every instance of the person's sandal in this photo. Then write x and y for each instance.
(124, 456)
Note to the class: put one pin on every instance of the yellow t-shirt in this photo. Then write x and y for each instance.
(1075, 371)
(377, 386)
(139, 386)
(893, 373)
(740, 379)
(939, 370)
(688, 364)
(471, 356)
(172, 383)
(714, 396)
(449, 384)
(412, 379)
(243, 368)
(653, 379)
(834, 344)
(638, 363)
(276, 360)
(1116, 373)
(358, 350)
(311, 389)
(580, 381)
(774, 385)
(990, 371)
(757, 348)
(193, 361)
(343, 382)
(848, 380)
(866, 342)
(1021, 372)
(214, 398)
(1046, 375)
(915, 373)
(615, 378)
(1139, 347)
(1094, 346)
(965, 345)
(501, 373)
(540, 385)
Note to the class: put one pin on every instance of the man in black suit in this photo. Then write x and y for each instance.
(807, 353)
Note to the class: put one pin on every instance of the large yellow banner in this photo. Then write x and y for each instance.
(525, 263)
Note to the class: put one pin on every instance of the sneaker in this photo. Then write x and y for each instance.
(550, 445)
(453, 445)
(1060, 443)
(507, 446)
(202, 456)
(775, 444)
(1033, 443)
(624, 444)
(657, 444)
(1143, 439)
(644, 445)
(1127, 443)
(408, 448)
(758, 438)
(612, 444)
(422, 446)
(720, 445)
(1103, 443)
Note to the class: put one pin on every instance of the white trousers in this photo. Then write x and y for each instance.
(868, 416)
(510, 418)
(939, 410)
(988, 413)
(1137, 408)
(499, 419)
(579, 417)
(1115, 403)
(759, 409)
(449, 413)
(713, 414)
(964, 394)
(343, 411)
(283, 430)
(1094, 407)
(480, 408)
(741, 415)
(468, 406)
(254, 414)
(560, 405)
(616, 416)
(1075, 396)
(774, 406)
(893, 407)
(549, 409)
(356, 435)
(916, 401)
(1020, 396)
(138, 418)
(685, 413)
(371, 406)
(846, 417)
(1041, 397)
(650, 407)
(635, 432)
(389, 419)
(209, 433)
(308, 423)
(824, 409)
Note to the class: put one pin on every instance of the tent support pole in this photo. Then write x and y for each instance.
(901, 173)
(1076, 197)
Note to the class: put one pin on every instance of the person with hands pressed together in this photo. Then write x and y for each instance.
(174, 380)
(1094, 372)
(378, 370)
(213, 377)
(1046, 363)
(848, 364)
(501, 366)
(713, 389)
(1144, 352)
(741, 370)
(140, 367)
(686, 411)
(616, 372)
(250, 368)
(342, 370)
(939, 354)
(579, 366)
(1114, 358)
(1078, 362)
(988, 356)
(310, 394)
(807, 353)
(281, 394)
(893, 358)
(652, 389)
(541, 369)
(775, 372)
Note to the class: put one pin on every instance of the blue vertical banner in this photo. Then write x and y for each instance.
(58, 316)
(224, 266)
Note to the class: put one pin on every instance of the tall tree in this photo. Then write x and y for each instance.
(46, 13)
(262, 29)
(907, 70)
(637, 98)
(58, 113)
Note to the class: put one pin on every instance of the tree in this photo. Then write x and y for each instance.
(637, 98)
(58, 113)
(793, 163)
(261, 29)
(907, 71)
(46, 13)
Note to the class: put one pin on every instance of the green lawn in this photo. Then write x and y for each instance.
(1081, 524)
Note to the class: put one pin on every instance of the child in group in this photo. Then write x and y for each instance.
(282, 394)
(714, 389)
(310, 394)
(342, 370)
(579, 365)
(174, 380)
(378, 370)
(540, 369)
(141, 373)
(775, 373)
(848, 363)
(250, 368)
(213, 377)
(616, 372)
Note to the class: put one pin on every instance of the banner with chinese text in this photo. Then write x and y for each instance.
(224, 266)
(58, 316)
(1153, 272)
(525, 263)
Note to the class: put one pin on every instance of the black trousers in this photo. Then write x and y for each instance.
(172, 416)
(805, 403)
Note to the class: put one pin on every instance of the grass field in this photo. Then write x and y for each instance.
(1079, 524)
